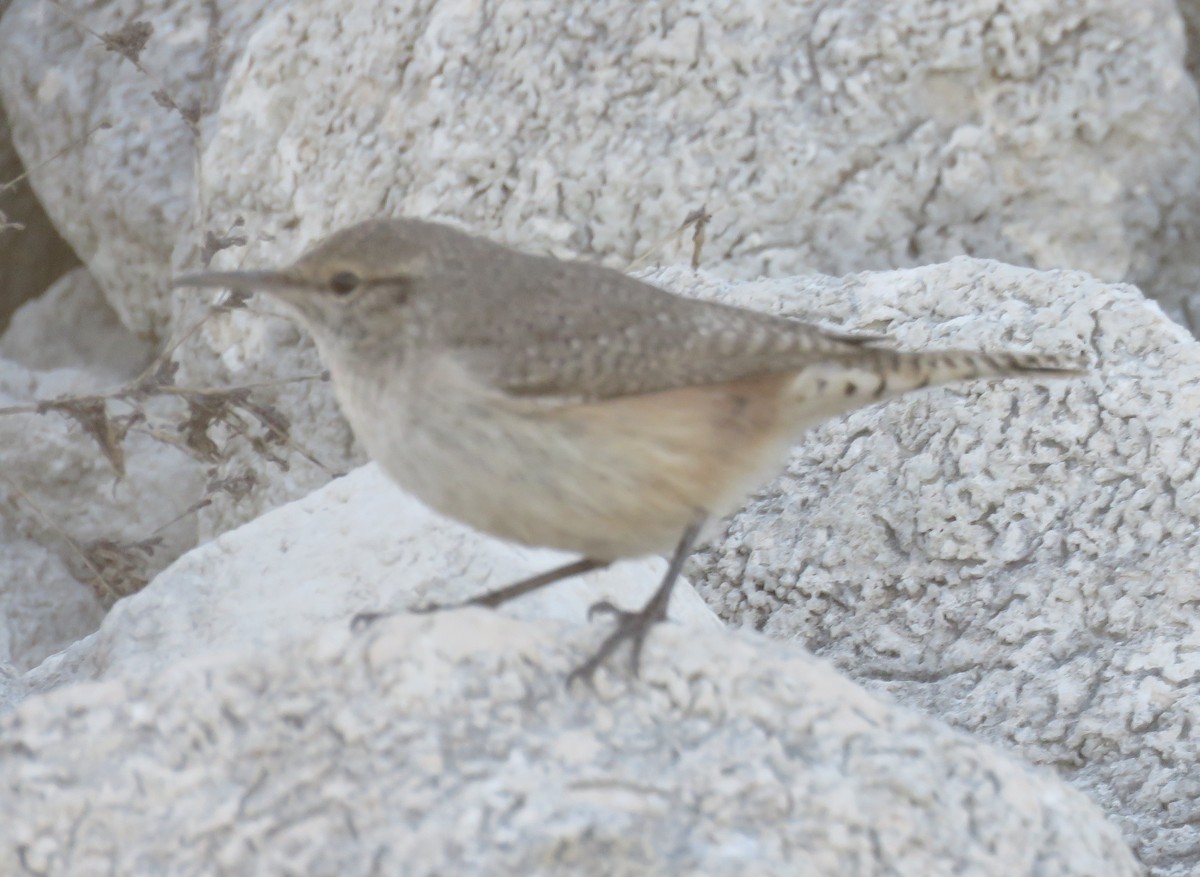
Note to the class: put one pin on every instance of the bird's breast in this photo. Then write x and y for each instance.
(606, 479)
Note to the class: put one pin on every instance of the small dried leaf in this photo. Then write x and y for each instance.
(192, 112)
(164, 375)
(264, 449)
(237, 487)
(130, 40)
(117, 569)
(164, 100)
(272, 419)
(203, 411)
(700, 219)
(92, 417)
(234, 300)
(214, 243)
(122, 424)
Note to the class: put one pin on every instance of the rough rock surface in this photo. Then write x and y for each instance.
(135, 181)
(43, 605)
(833, 137)
(828, 136)
(71, 326)
(1018, 558)
(448, 744)
(357, 545)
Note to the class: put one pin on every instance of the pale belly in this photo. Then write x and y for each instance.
(604, 480)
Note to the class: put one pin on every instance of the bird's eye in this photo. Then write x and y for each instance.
(343, 283)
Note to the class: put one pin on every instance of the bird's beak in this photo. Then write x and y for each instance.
(267, 281)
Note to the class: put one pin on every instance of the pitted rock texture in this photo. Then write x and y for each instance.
(120, 195)
(448, 744)
(71, 326)
(834, 137)
(1018, 558)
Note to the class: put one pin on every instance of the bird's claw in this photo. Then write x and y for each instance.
(363, 620)
(604, 607)
(632, 626)
(427, 608)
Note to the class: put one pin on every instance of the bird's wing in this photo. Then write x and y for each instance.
(586, 333)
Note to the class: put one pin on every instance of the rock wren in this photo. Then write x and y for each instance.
(566, 405)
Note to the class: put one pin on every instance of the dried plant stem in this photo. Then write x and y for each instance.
(128, 42)
(110, 592)
(77, 142)
(697, 218)
(127, 394)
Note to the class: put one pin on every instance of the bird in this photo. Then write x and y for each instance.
(567, 405)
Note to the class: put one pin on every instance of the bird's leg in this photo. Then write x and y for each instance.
(635, 626)
(495, 598)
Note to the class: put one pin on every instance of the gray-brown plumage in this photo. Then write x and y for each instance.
(566, 405)
(585, 332)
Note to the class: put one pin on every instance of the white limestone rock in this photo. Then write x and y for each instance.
(11, 688)
(829, 137)
(357, 545)
(122, 198)
(72, 326)
(448, 744)
(43, 605)
(1018, 558)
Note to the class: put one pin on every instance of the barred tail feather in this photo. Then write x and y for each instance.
(869, 375)
(932, 368)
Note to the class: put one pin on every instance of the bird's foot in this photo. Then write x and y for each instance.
(491, 599)
(363, 620)
(631, 626)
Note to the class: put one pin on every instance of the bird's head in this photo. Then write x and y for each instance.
(353, 286)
